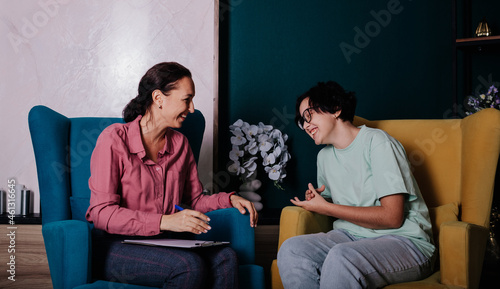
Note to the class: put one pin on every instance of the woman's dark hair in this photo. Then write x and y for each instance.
(163, 76)
(329, 97)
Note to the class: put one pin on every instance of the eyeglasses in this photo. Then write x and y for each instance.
(306, 117)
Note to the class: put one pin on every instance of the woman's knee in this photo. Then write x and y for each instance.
(224, 268)
(225, 257)
(190, 272)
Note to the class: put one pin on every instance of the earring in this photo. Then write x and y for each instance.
(159, 106)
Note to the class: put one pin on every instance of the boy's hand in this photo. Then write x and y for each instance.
(310, 195)
(316, 202)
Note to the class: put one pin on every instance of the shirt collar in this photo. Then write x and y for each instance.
(135, 140)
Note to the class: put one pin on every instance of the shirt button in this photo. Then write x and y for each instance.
(158, 169)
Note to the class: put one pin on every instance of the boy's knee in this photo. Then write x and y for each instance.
(341, 256)
(289, 248)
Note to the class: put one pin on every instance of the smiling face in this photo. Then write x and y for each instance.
(178, 103)
(321, 125)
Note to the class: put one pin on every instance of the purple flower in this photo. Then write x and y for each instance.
(493, 90)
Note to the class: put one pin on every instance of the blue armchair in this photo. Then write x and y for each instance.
(63, 147)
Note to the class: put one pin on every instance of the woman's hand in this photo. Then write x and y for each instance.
(242, 203)
(185, 221)
(314, 201)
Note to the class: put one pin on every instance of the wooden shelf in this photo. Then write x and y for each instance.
(33, 219)
(478, 41)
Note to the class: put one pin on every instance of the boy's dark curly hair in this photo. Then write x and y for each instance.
(328, 97)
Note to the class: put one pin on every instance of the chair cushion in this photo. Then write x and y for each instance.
(83, 136)
(79, 208)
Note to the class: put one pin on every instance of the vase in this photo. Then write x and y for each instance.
(247, 191)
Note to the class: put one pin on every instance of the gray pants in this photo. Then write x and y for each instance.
(338, 260)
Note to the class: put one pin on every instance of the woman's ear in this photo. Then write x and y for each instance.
(157, 97)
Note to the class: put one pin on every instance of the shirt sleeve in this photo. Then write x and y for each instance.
(193, 189)
(106, 169)
(321, 177)
(391, 169)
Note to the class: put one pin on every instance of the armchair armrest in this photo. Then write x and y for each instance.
(461, 251)
(296, 221)
(232, 226)
(67, 244)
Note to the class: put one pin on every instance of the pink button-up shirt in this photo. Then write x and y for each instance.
(130, 192)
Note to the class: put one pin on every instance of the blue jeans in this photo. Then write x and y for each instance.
(338, 260)
(163, 267)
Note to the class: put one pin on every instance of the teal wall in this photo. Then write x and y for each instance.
(273, 51)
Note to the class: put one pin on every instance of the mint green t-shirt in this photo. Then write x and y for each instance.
(373, 166)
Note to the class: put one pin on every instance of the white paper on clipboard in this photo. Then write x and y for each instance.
(176, 243)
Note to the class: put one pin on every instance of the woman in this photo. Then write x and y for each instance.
(139, 171)
(382, 232)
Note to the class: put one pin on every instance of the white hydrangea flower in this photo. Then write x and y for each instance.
(235, 168)
(235, 153)
(252, 147)
(238, 138)
(264, 144)
(237, 124)
(251, 131)
(265, 128)
(277, 151)
(274, 172)
(247, 140)
(267, 159)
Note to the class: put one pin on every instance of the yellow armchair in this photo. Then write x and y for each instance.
(454, 162)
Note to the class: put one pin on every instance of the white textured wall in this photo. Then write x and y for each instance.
(85, 58)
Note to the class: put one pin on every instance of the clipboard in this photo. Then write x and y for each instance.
(175, 243)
